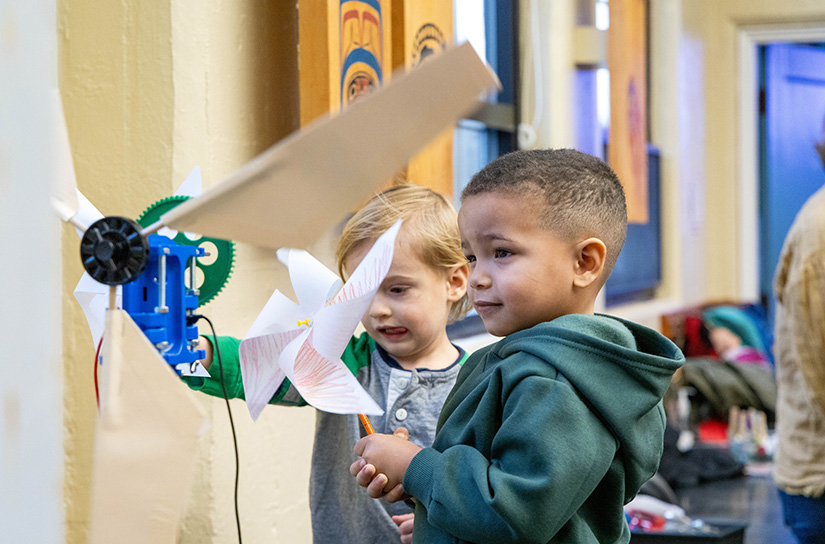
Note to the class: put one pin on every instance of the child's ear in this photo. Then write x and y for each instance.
(457, 282)
(590, 256)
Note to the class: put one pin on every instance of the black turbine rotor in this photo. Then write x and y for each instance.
(113, 251)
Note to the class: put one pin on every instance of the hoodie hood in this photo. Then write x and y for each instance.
(621, 369)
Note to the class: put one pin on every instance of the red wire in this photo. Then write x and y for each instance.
(97, 355)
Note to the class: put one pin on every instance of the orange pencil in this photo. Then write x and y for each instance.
(366, 423)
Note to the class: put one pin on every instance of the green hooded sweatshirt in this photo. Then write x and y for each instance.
(546, 435)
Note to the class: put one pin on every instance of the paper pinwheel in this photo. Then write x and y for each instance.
(304, 341)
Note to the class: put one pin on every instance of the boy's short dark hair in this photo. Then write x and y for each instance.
(581, 193)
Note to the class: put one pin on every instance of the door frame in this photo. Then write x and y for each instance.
(749, 38)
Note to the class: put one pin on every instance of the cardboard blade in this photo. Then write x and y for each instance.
(300, 188)
(146, 441)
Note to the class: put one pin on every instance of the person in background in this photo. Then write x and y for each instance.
(799, 351)
(734, 337)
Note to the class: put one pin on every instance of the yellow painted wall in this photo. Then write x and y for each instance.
(150, 91)
(122, 159)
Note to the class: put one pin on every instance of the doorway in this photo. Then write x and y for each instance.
(791, 121)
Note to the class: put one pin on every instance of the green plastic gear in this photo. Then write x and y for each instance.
(218, 270)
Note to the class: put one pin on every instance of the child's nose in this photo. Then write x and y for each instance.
(378, 307)
(479, 279)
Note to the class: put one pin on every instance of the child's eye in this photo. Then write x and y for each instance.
(470, 258)
(500, 253)
(397, 290)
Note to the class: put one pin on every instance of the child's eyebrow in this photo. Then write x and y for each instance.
(398, 278)
(496, 237)
(491, 237)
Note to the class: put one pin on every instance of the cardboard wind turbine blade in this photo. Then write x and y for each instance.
(298, 189)
(145, 442)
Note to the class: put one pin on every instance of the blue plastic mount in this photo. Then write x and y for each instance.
(164, 319)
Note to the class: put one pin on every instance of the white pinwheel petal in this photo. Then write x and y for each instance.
(260, 369)
(307, 339)
(93, 298)
(86, 212)
(372, 269)
(334, 325)
(326, 384)
(64, 187)
(310, 279)
(280, 314)
(192, 185)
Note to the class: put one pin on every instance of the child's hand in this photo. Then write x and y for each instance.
(405, 526)
(365, 475)
(385, 461)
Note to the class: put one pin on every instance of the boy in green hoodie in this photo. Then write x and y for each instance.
(550, 431)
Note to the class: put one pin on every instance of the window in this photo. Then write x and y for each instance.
(491, 28)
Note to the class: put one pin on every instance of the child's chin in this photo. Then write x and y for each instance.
(496, 329)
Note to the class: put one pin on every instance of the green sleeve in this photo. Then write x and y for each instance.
(358, 352)
(356, 355)
(230, 363)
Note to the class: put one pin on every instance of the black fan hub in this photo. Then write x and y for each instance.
(104, 251)
(113, 251)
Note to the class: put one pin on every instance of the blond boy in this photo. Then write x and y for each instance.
(405, 361)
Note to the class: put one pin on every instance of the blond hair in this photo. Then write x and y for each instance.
(430, 220)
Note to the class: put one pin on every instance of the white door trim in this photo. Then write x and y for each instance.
(749, 38)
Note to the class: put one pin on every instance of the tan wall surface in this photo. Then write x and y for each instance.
(152, 91)
(122, 159)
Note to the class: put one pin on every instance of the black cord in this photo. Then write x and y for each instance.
(231, 422)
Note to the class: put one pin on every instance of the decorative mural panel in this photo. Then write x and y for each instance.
(347, 47)
(626, 57)
(422, 28)
(362, 47)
